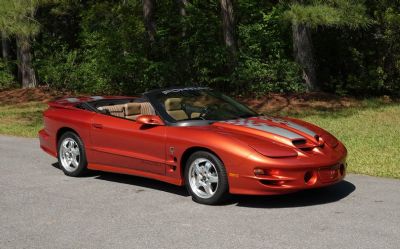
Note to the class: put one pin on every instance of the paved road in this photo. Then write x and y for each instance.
(42, 208)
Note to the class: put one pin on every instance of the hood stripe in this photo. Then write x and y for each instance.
(290, 124)
(264, 127)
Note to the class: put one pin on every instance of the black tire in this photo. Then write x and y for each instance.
(222, 191)
(81, 169)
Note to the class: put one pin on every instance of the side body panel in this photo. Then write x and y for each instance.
(123, 143)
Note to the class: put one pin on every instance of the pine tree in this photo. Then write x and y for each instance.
(308, 15)
(17, 19)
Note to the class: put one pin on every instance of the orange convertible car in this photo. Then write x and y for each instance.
(192, 136)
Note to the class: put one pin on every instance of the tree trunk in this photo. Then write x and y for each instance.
(182, 11)
(228, 25)
(5, 46)
(25, 70)
(149, 22)
(304, 55)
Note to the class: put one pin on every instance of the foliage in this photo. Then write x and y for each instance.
(329, 13)
(265, 64)
(102, 47)
(16, 17)
(6, 77)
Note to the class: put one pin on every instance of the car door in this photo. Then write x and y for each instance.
(120, 142)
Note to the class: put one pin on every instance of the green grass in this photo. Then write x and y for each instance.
(371, 131)
(21, 119)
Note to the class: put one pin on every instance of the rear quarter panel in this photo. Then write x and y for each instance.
(56, 119)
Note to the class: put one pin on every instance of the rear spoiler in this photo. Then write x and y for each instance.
(71, 102)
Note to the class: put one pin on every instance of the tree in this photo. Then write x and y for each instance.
(228, 25)
(17, 18)
(306, 15)
(149, 20)
(5, 46)
(182, 5)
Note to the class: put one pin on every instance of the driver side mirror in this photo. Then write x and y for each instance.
(152, 120)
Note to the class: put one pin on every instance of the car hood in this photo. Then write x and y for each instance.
(276, 137)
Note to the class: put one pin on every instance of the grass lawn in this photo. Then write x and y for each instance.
(371, 134)
(370, 131)
(23, 119)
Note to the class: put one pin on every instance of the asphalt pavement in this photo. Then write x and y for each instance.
(40, 207)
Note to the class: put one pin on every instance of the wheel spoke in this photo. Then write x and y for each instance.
(197, 169)
(207, 188)
(208, 166)
(213, 179)
(75, 152)
(197, 182)
(75, 163)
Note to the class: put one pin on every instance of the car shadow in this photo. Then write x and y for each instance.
(134, 181)
(310, 197)
(142, 182)
(303, 198)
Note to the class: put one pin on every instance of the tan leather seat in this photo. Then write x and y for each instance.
(195, 115)
(132, 110)
(173, 106)
(114, 110)
(147, 109)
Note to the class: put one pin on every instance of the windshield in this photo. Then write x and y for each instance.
(200, 104)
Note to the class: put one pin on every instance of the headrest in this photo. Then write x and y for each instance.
(132, 109)
(173, 104)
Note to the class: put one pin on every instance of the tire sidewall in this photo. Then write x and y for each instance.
(82, 163)
(223, 187)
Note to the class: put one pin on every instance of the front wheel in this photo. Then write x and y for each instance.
(206, 178)
(71, 154)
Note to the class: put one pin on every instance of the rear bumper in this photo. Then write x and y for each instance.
(46, 143)
(284, 181)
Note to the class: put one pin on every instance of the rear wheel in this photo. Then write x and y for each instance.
(206, 178)
(71, 154)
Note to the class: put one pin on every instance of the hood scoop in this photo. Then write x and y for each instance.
(277, 129)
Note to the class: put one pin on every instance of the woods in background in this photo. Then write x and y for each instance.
(129, 46)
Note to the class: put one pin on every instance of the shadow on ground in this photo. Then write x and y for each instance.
(310, 197)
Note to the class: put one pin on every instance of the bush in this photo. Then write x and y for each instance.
(7, 80)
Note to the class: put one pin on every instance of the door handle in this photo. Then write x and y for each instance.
(98, 126)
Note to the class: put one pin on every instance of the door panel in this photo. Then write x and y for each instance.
(125, 143)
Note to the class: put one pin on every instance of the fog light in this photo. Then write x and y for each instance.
(259, 172)
(268, 172)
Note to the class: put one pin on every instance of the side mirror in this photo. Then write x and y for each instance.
(152, 120)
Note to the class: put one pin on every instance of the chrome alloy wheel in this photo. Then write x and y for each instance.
(203, 178)
(69, 154)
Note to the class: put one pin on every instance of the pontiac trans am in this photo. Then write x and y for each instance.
(192, 136)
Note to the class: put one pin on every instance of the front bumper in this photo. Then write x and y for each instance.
(283, 181)
(319, 168)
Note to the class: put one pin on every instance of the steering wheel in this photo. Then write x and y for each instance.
(206, 110)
